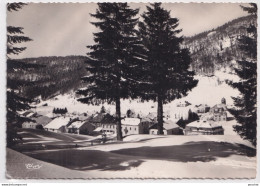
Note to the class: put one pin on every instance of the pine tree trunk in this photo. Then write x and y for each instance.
(118, 120)
(160, 115)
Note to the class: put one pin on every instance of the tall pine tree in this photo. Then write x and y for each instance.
(113, 57)
(15, 101)
(165, 74)
(246, 108)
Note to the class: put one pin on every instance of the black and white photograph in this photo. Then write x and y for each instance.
(127, 90)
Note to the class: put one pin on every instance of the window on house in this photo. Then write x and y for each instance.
(130, 128)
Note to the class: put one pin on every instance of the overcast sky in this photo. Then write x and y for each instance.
(64, 29)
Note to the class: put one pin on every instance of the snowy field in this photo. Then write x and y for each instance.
(143, 156)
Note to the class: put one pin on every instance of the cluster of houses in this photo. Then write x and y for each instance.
(199, 119)
(210, 120)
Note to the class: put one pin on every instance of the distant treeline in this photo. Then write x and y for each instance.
(60, 110)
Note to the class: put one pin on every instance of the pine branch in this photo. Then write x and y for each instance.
(15, 6)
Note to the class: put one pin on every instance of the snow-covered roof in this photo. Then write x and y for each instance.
(58, 123)
(98, 129)
(30, 114)
(167, 124)
(131, 121)
(43, 120)
(204, 124)
(76, 124)
(170, 125)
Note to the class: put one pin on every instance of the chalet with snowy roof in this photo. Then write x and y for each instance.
(219, 111)
(146, 123)
(169, 128)
(131, 126)
(42, 120)
(81, 127)
(108, 124)
(59, 125)
(202, 108)
(201, 127)
(97, 118)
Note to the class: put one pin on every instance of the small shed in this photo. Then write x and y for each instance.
(202, 108)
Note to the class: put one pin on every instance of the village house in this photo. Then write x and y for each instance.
(146, 123)
(202, 108)
(108, 124)
(219, 111)
(131, 126)
(204, 128)
(81, 127)
(169, 128)
(30, 125)
(96, 119)
(59, 125)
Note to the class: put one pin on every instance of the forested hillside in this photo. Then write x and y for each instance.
(217, 48)
(57, 75)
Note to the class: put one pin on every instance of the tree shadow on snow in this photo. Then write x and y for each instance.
(203, 151)
(124, 159)
(88, 159)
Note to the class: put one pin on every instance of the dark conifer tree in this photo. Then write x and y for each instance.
(102, 110)
(246, 108)
(165, 74)
(112, 57)
(15, 102)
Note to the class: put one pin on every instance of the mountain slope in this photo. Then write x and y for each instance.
(217, 48)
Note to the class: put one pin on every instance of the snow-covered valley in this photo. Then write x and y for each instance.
(210, 91)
